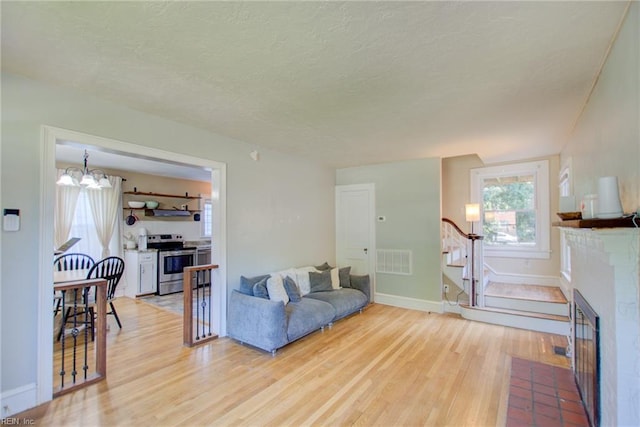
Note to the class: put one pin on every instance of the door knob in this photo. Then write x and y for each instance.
(366, 250)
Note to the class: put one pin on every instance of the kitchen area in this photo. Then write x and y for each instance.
(164, 232)
(164, 222)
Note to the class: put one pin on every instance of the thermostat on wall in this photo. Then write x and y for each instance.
(382, 218)
(11, 220)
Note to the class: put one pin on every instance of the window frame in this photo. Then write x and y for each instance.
(540, 170)
(206, 203)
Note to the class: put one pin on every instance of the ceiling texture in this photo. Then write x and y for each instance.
(344, 83)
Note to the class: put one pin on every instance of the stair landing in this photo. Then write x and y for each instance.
(549, 294)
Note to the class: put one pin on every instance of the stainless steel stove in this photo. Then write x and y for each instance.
(173, 257)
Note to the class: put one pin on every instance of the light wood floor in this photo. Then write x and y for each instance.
(387, 366)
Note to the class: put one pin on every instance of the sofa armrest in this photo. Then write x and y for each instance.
(257, 321)
(362, 283)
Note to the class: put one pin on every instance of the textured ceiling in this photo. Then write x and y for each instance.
(346, 83)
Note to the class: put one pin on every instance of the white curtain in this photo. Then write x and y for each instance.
(106, 207)
(66, 201)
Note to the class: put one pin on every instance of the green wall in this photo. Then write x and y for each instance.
(408, 195)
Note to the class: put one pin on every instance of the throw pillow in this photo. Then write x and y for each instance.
(324, 267)
(345, 277)
(302, 279)
(246, 283)
(275, 287)
(292, 289)
(320, 281)
(260, 289)
(335, 278)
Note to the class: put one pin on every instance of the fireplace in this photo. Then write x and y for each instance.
(586, 339)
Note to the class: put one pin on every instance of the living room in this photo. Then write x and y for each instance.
(279, 204)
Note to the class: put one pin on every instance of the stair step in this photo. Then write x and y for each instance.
(549, 323)
(547, 294)
(456, 264)
(546, 316)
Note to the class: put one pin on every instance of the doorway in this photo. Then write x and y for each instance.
(52, 136)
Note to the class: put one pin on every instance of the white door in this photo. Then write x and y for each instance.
(355, 229)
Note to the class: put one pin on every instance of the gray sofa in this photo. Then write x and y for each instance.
(270, 325)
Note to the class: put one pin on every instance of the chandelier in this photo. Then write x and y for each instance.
(92, 179)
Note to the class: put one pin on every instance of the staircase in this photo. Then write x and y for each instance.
(533, 307)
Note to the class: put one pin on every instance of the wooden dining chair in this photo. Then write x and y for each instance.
(110, 269)
(72, 261)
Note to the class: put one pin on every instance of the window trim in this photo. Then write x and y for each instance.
(540, 170)
(205, 200)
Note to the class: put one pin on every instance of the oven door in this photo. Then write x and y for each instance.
(171, 264)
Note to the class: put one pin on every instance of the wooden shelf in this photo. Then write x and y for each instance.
(598, 223)
(174, 196)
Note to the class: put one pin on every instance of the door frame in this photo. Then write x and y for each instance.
(49, 137)
(371, 188)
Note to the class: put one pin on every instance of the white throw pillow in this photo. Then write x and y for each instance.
(276, 289)
(302, 279)
(335, 278)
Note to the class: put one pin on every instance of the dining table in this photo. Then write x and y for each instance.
(67, 276)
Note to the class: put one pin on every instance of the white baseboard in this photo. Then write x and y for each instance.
(18, 400)
(410, 303)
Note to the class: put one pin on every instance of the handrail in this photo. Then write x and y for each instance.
(201, 276)
(476, 264)
(455, 226)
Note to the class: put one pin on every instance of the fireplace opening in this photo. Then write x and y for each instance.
(586, 339)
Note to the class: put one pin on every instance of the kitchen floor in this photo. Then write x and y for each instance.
(172, 302)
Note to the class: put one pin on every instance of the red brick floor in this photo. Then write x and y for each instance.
(543, 395)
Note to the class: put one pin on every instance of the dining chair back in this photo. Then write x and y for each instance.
(110, 269)
(74, 307)
(74, 261)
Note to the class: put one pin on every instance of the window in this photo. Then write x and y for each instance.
(205, 219)
(564, 187)
(514, 201)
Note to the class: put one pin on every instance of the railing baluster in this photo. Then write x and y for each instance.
(81, 312)
(198, 275)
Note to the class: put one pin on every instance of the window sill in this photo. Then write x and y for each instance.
(516, 253)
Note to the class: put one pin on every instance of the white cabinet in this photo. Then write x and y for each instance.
(141, 272)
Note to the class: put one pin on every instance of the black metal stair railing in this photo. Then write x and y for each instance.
(80, 351)
(198, 314)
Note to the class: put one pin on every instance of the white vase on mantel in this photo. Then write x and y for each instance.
(609, 205)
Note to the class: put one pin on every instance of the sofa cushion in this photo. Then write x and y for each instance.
(320, 281)
(323, 267)
(246, 283)
(345, 301)
(260, 289)
(291, 289)
(302, 279)
(344, 274)
(275, 287)
(306, 316)
(335, 278)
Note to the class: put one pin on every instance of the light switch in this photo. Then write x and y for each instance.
(11, 220)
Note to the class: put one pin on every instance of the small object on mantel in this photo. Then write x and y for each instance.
(597, 223)
(565, 216)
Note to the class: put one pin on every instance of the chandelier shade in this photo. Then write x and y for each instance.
(92, 179)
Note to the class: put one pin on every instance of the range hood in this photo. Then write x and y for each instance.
(166, 212)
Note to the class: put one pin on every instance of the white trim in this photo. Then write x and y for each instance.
(372, 250)
(540, 169)
(409, 303)
(49, 137)
(17, 400)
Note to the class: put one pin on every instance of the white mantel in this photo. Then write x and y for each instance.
(605, 268)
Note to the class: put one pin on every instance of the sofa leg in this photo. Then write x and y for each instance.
(330, 325)
(273, 352)
(322, 328)
(361, 310)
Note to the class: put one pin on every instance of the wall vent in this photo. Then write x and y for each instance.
(394, 261)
